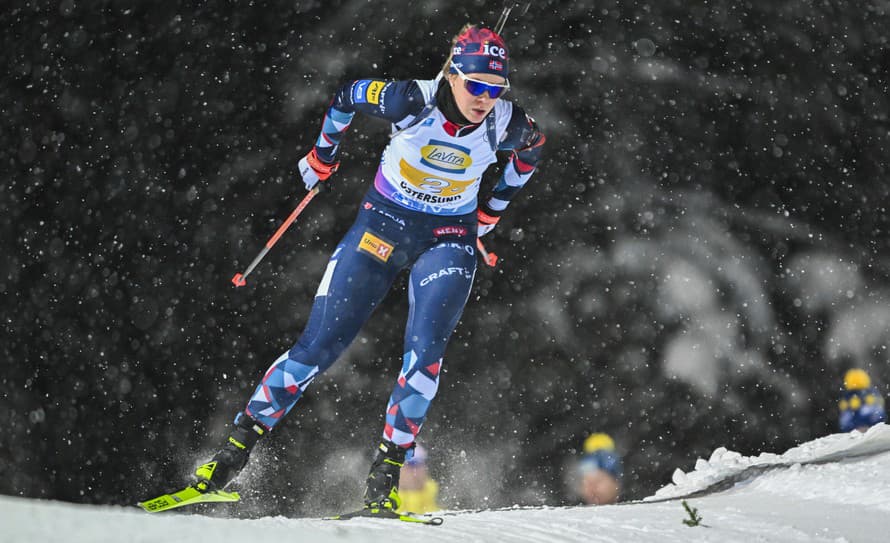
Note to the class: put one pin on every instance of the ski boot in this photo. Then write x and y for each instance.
(382, 491)
(229, 460)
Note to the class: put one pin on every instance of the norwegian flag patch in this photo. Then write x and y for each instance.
(496, 66)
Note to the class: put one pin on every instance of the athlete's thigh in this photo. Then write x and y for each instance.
(357, 277)
(441, 279)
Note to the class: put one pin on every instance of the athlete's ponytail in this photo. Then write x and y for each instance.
(446, 68)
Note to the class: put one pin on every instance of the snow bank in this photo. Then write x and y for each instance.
(832, 489)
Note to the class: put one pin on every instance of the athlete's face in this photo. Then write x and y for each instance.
(474, 108)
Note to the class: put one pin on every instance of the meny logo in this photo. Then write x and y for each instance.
(450, 231)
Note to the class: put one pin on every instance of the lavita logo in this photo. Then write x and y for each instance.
(446, 157)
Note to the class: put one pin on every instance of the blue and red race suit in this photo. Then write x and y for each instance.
(420, 215)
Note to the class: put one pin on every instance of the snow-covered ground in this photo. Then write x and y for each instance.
(832, 489)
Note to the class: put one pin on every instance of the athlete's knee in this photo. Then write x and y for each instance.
(319, 353)
(298, 371)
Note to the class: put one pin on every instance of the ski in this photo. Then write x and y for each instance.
(388, 514)
(187, 496)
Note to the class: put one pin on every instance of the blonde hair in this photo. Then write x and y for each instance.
(446, 68)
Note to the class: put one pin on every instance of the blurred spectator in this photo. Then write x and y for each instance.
(861, 405)
(418, 491)
(598, 472)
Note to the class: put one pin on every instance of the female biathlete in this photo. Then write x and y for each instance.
(421, 214)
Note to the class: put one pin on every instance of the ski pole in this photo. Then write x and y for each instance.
(240, 279)
(505, 14)
(490, 258)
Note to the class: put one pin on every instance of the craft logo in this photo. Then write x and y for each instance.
(375, 246)
(445, 272)
(373, 94)
(449, 231)
(445, 157)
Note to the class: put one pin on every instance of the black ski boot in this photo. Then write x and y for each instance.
(383, 480)
(229, 460)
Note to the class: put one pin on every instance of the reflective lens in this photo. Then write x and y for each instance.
(476, 88)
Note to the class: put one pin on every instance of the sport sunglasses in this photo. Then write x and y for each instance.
(476, 87)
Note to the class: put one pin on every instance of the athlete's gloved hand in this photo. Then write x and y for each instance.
(487, 222)
(314, 170)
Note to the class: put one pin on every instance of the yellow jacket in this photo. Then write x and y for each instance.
(422, 500)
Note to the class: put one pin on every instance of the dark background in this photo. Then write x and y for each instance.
(701, 254)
